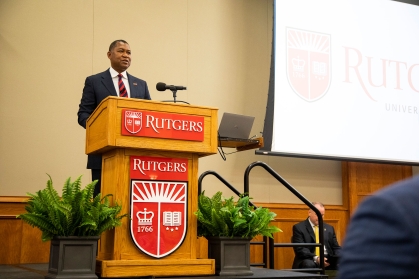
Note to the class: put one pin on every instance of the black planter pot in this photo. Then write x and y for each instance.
(232, 255)
(72, 257)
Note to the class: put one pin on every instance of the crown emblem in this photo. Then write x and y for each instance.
(129, 121)
(147, 217)
(298, 64)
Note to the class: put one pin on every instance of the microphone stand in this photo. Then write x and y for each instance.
(174, 90)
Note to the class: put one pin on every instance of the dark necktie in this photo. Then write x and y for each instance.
(122, 90)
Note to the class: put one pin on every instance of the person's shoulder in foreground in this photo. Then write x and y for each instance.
(382, 240)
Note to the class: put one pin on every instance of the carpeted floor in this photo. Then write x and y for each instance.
(332, 274)
(38, 271)
(23, 271)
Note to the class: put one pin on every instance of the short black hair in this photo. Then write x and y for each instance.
(113, 44)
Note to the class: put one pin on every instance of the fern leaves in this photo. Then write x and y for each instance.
(76, 213)
(224, 217)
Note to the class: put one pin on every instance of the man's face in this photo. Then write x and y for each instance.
(120, 57)
(312, 215)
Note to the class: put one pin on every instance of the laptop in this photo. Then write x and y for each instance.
(235, 126)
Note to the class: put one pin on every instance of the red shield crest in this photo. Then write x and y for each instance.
(133, 121)
(158, 216)
(308, 63)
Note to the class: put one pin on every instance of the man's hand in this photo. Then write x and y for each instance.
(326, 264)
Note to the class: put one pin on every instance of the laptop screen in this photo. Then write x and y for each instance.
(235, 126)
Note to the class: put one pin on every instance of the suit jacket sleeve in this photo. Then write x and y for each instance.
(381, 240)
(88, 102)
(334, 247)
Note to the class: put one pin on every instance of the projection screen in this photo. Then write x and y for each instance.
(345, 81)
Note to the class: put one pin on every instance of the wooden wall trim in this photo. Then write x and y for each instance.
(12, 206)
(359, 180)
(13, 199)
(299, 206)
(21, 242)
(20, 234)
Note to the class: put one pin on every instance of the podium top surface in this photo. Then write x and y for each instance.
(158, 125)
(161, 104)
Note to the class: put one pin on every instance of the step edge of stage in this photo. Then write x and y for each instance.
(180, 267)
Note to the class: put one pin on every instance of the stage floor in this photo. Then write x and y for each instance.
(38, 271)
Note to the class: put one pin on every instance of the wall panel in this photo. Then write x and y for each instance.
(21, 242)
(363, 179)
(287, 216)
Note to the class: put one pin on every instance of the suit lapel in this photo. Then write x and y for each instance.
(324, 233)
(108, 83)
(310, 230)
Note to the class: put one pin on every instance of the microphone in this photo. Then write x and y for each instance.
(160, 86)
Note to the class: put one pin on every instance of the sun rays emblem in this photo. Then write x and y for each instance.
(308, 63)
(158, 216)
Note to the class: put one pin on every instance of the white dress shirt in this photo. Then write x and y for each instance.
(115, 79)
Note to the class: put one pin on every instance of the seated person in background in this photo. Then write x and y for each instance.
(304, 232)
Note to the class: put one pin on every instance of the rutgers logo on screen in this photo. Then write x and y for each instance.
(133, 121)
(308, 63)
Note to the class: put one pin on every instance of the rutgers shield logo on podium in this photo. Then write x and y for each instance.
(133, 121)
(308, 63)
(158, 213)
(158, 207)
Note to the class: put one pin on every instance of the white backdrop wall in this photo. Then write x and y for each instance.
(219, 49)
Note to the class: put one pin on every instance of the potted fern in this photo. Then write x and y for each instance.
(73, 223)
(229, 226)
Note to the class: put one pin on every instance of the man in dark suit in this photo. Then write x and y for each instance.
(304, 232)
(113, 82)
(382, 240)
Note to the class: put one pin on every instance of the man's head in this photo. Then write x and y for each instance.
(313, 216)
(120, 55)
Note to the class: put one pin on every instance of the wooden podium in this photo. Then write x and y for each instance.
(118, 256)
